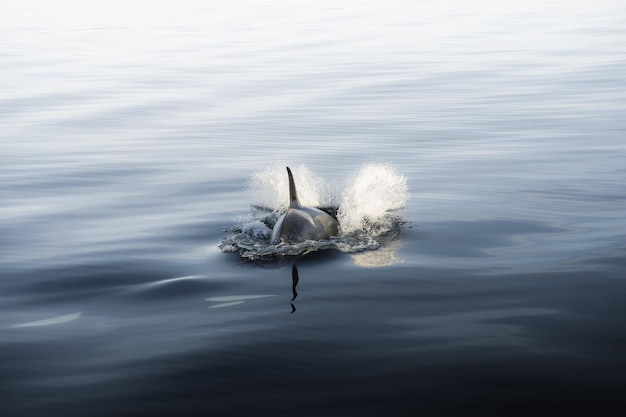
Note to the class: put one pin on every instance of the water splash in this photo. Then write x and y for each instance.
(270, 187)
(364, 207)
(375, 191)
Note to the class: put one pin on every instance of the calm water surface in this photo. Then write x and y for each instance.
(130, 132)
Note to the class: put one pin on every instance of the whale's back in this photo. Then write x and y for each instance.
(302, 223)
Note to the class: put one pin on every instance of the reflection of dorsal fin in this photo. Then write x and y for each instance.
(293, 195)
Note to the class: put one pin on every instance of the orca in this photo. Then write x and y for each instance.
(301, 223)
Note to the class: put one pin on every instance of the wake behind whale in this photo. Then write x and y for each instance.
(360, 214)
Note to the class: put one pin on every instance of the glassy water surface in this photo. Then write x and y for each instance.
(137, 137)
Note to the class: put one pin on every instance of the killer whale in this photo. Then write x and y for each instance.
(300, 223)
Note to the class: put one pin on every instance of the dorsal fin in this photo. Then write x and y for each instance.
(293, 195)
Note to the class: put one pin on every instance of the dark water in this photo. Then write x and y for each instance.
(130, 134)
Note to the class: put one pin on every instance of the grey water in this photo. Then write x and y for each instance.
(130, 137)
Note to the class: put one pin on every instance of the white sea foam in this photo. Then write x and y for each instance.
(256, 229)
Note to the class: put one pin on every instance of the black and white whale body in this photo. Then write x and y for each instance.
(302, 223)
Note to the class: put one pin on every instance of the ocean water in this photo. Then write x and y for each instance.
(475, 153)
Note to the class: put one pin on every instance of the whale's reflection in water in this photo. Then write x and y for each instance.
(384, 256)
(294, 283)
